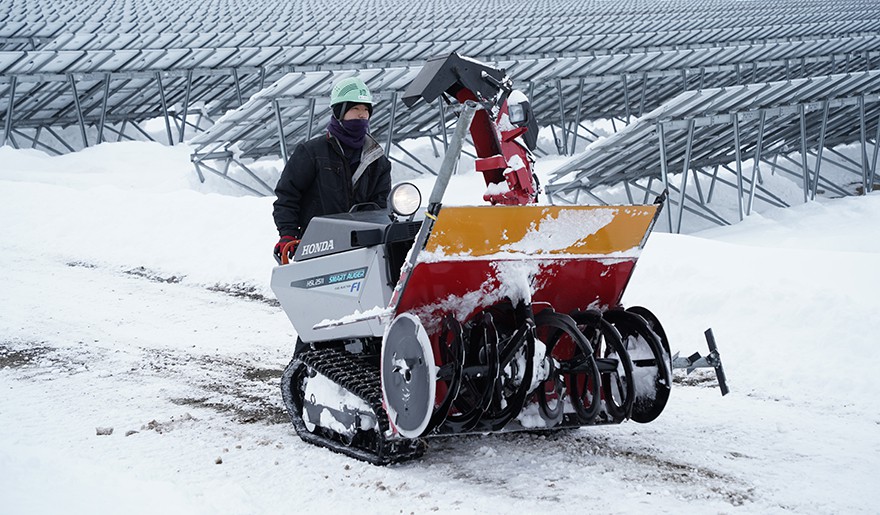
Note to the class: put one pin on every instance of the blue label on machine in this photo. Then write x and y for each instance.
(331, 279)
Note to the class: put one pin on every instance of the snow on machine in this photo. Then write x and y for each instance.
(472, 319)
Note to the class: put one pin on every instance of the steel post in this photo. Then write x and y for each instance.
(756, 167)
(186, 93)
(79, 114)
(237, 87)
(876, 150)
(391, 123)
(164, 108)
(311, 119)
(822, 131)
(661, 135)
(577, 116)
(442, 123)
(862, 136)
(104, 108)
(642, 94)
(562, 117)
(712, 185)
(10, 111)
(684, 173)
(739, 174)
(803, 122)
(282, 142)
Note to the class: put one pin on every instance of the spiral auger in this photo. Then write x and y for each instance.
(652, 368)
(575, 369)
(613, 360)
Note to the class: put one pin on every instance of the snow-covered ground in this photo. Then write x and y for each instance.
(134, 299)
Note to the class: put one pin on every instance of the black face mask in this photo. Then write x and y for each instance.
(350, 133)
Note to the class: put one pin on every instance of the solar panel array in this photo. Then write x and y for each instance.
(697, 132)
(257, 74)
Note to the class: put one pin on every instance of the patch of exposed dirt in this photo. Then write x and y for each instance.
(37, 358)
(22, 357)
(80, 264)
(237, 290)
(244, 291)
(168, 425)
(245, 409)
(248, 392)
(153, 276)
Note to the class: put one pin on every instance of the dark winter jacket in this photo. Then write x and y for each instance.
(317, 180)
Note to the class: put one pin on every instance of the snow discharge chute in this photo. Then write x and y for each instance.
(501, 317)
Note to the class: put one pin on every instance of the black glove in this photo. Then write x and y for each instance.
(290, 243)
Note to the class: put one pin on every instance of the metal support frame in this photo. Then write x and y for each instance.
(164, 104)
(768, 196)
(104, 99)
(642, 94)
(237, 86)
(140, 129)
(712, 185)
(739, 175)
(876, 152)
(35, 141)
(756, 166)
(577, 116)
(60, 139)
(311, 125)
(441, 122)
(663, 170)
(562, 117)
(854, 169)
(79, 113)
(281, 141)
(414, 158)
(200, 164)
(625, 85)
(684, 173)
(815, 186)
(796, 175)
(863, 138)
(10, 111)
(391, 123)
(704, 211)
(802, 117)
(186, 93)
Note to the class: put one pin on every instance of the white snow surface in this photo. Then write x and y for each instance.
(137, 299)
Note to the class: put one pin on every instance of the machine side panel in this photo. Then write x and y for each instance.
(332, 288)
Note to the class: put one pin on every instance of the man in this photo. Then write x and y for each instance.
(333, 172)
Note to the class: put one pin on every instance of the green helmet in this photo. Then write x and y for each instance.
(351, 90)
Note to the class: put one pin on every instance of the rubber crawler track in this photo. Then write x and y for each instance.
(361, 378)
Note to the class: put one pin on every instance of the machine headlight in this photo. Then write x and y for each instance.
(405, 199)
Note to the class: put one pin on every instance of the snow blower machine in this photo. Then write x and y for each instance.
(479, 319)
